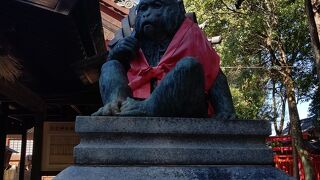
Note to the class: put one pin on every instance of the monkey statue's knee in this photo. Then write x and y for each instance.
(221, 98)
(187, 73)
(188, 63)
(181, 92)
(190, 68)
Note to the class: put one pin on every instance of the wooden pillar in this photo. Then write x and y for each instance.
(2, 140)
(37, 147)
(23, 155)
(2, 152)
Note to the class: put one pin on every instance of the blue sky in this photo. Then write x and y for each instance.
(303, 109)
(303, 113)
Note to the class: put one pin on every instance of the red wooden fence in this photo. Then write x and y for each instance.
(285, 163)
(283, 157)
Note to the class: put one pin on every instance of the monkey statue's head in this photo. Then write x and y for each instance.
(157, 19)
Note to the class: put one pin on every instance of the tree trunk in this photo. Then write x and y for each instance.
(274, 108)
(294, 115)
(278, 127)
(315, 43)
(295, 158)
(316, 10)
(296, 128)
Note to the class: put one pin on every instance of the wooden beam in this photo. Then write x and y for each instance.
(22, 95)
(110, 12)
(37, 148)
(2, 142)
(89, 97)
(116, 24)
(13, 127)
(23, 155)
(2, 152)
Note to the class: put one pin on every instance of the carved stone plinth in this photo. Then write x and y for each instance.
(171, 148)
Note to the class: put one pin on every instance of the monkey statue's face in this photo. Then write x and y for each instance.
(157, 19)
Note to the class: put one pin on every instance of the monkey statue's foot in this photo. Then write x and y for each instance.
(225, 116)
(131, 107)
(110, 109)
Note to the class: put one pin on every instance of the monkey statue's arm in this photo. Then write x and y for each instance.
(221, 99)
(113, 81)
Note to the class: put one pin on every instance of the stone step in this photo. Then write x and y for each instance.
(173, 173)
(168, 125)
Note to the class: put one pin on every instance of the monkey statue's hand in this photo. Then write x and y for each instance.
(125, 50)
(110, 109)
(131, 107)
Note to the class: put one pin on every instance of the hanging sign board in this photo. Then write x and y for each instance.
(59, 139)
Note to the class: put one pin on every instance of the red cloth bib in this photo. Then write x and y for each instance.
(189, 40)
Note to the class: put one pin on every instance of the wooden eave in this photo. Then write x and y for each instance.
(22, 95)
(50, 79)
(113, 6)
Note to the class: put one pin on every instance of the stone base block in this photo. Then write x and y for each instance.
(172, 173)
(157, 141)
(164, 148)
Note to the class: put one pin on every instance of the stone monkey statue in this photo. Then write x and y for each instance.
(166, 67)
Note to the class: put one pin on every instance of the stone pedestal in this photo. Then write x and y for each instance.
(141, 148)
